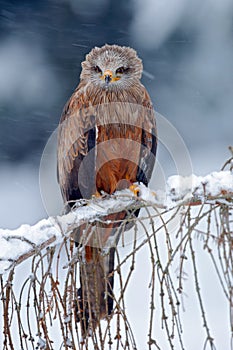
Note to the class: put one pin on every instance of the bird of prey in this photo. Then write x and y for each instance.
(106, 142)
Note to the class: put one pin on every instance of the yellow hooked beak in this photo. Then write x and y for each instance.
(108, 76)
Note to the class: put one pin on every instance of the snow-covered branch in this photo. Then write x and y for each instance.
(17, 245)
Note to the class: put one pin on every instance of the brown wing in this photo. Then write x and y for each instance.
(148, 142)
(76, 137)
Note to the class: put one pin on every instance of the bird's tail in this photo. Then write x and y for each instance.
(95, 296)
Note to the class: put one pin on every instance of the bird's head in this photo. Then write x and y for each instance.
(111, 67)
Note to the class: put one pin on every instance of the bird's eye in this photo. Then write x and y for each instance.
(97, 69)
(121, 70)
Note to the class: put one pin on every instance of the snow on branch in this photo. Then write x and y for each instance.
(21, 243)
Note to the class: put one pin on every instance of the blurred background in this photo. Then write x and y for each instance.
(187, 51)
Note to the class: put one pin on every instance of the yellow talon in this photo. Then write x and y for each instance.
(135, 189)
(96, 195)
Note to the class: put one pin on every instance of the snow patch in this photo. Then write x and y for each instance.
(213, 184)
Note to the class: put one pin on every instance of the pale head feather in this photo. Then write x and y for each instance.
(112, 57)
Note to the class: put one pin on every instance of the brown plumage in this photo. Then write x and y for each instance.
(107, 141)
